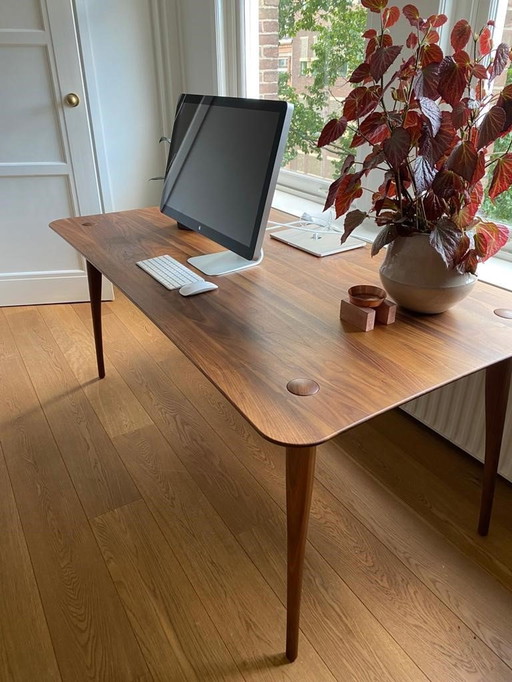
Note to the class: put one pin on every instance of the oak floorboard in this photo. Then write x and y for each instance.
(116, 407)
(486, 613)
(470, 591)
(98, 474)
(422, 489)
(175, 633)
(238, 498)
(247, 614)
(91, 636)
(453, 468)
(22, 623)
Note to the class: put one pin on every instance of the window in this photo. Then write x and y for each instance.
(305, 50)
(501, 14)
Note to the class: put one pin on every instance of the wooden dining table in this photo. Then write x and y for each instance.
(271, 340)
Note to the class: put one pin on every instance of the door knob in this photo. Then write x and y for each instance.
(72, 99)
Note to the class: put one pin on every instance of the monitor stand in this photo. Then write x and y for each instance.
(222, 262)
(317, 243)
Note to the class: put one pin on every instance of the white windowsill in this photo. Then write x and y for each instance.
(495, 271)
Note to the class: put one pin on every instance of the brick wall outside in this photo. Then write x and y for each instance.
(269, 47)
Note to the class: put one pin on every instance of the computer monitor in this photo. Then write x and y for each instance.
(223, 163)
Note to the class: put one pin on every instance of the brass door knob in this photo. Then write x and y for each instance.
(72, 99)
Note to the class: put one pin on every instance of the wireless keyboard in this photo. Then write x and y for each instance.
(169, 272)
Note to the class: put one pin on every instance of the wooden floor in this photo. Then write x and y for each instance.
(143, 529)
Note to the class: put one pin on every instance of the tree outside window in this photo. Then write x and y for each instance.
(321, 42)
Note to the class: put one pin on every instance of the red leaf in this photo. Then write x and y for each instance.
(433, 206)
(432, 37)
(382, 59)
(466, 215)
(461, 250)
(489, 239)
(371, 47)
(370, 33)
(423, 174)
(463, 160)
(412, 41)
(374, 128)
(501, 177)
(460, 114)
(333, 189)
(390, 16)
(500, 60)
(414, 123)
(374, 5)
(431, 54)
(396, 147)
(353, 219)
(453, 79)
(385, 236)
(460, 35)
(331, 194)
(359, 101)
(445, 240)
(484, 41)
(479, 71)
(436, 20)
(447, 183)
(436, 147)
(432, 112)
(469, 262)
(426, 82)
(332, 131)
(411, 13)
(348, 190)
(505, 102)
(491, 126)
(360, 73)
(479, 168)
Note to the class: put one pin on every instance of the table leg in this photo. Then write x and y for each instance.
(300, 474)
(497, 385)
(94, 280)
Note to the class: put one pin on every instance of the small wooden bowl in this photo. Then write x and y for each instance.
(366, 296)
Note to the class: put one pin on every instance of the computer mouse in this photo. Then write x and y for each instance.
(197, 288)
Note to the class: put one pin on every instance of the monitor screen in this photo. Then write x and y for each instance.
(223, 163)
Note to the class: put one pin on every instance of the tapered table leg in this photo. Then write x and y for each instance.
(94, 280)
(300, 473)
(497, 385)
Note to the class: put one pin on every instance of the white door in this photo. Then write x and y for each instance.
(47, 168)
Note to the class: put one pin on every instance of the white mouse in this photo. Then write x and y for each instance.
(197, 287)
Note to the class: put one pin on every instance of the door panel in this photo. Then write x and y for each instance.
(21, 14)
(47, 167)
(26, 84)
(45, 198)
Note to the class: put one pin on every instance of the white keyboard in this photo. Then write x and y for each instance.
(169, 272)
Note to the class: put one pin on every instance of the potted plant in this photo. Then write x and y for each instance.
(430, 121)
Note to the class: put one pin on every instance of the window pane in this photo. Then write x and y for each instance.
(306, 50)
(501, 208)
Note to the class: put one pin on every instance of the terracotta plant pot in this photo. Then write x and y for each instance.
(415, 276)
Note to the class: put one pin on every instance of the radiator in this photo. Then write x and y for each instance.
(457, 412)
